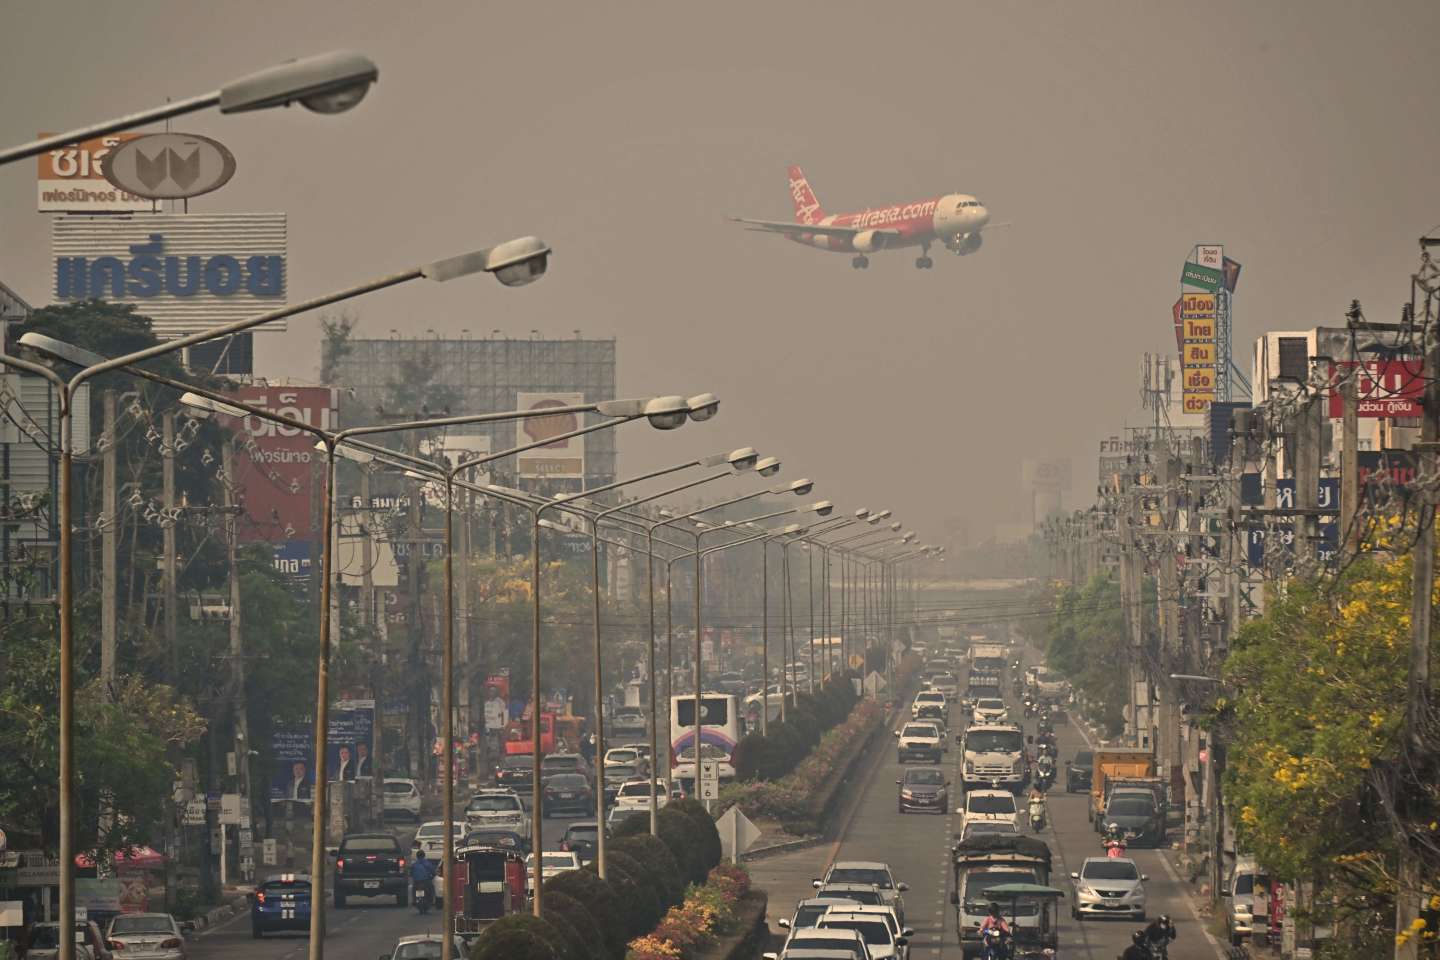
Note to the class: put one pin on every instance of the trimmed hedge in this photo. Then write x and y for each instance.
(657, 857)
(562, 905)
(787, 743)
(677, 831)
(603, 902)
(520, 936)
(640, 892)
(707, 835)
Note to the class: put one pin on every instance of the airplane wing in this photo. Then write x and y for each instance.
(813, 229)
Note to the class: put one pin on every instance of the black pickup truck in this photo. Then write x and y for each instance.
(371, 865)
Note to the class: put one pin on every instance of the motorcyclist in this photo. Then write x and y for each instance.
(1136, 950)
(1114, 841)
(1159, 934)
(422, 874)
(1045, 771)
(994, 921)
(1037, 809)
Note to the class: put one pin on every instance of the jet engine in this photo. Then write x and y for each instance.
(964, 243)
(868, 241)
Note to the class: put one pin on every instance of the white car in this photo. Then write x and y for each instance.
(990, 710)
(622, 756)
(868, 871)
(555, 862)
(402, 798)
(919, 740)
(636, 793)
(989, 805)
(423, 946)
(880, 940)
(929, 698)
(900, 933)
(498, 808)
(833, 941)
(431, 837)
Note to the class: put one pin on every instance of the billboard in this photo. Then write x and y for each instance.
(1199, 349)
(1389, 371)
(71, 179)
(562, 459)
(186, 272)
(275, 464)
(349, 752)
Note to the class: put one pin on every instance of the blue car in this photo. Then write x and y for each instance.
(280, 903)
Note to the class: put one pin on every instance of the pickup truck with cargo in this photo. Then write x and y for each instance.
(371, 865)
(1116, 762)
(987, 861)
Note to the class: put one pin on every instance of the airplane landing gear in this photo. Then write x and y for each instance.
(923, 262)
(860, 263)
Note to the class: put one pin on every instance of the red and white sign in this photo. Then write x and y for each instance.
(276, 465)
(1389, 387)
(72, 178)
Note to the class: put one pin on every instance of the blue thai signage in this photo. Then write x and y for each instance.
(150, 272)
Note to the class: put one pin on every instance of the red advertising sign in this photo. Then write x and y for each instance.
(1388, 387)
(275, 465)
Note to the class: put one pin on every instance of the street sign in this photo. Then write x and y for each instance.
(267, 852)
(246, 839)
(737, 834)
(194, 814)
(709, 780)
(230, 808)
(38, 875)
(169, 166)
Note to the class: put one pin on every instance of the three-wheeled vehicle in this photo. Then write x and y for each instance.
(1038, 942)
(489, 883)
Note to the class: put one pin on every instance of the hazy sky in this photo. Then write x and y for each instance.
(1112, 135)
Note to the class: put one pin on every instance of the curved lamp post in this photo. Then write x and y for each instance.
(327, 83)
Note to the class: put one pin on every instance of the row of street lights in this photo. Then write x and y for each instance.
(332, 83)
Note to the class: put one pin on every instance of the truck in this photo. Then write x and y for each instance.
(994, 756)
(1123, 762)
(989, 657)
(1153, 790)
(988, 861)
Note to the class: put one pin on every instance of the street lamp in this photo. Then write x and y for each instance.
(327, 83)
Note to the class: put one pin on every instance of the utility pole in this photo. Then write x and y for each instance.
(419, 714)
(462, 648)
(167, 457)
(1350, 449)
(376, 633)
(109, 540)
(237, 645)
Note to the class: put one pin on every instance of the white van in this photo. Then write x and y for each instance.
(1249, 895)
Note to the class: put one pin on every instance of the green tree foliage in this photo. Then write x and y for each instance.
(520, 936)
(560, 905)
(1085, 640)
(601, 899)
(657, 857)
(707, 835)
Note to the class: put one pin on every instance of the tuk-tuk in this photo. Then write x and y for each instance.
(1038, 942)
(489, 883)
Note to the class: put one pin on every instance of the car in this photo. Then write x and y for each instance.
(402, 798)
(616, 776)
(866, 893)
(496, 838)
(280, 903)
(580, 837)
(564, 763)
(628, 722)
(619, 815)
(1137, 815)
(1108, 886)
(816, 938)
(923, 789)
(516, 772)
(808, 912)
(1246, 890)
(146, 936)
(621, 755)
(423, 946)
(992, 828)
(636, 793)
(990, 710)
(880, 940)
(89, 944)
(989, 805)
(430, 837)
(869, 871)
(567, 792)
(902, 934)
(1078, 771)
(948, 684)
(370, 865)
(928, 697)
(552, 864)
(918, 741)
(497, 809)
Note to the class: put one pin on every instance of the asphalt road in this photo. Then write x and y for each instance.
(917, 847)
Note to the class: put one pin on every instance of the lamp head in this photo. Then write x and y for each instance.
(861, 513)
(896, 526)
(742, 459)
(881, 515)
(514, 263)
(908, 537)
(768, 467)
(61, 350)
(798, 487)
(821, 507)
(328, 83)
(198, 402)
(667, 413)
(703, 406)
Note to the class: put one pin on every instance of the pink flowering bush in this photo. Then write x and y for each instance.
(706, 912)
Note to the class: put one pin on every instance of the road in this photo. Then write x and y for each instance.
(364, 930)
(917, 847)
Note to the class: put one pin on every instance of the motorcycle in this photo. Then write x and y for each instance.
(1044, 775)
(1037, 817)
(1029, 709)
(422, 898)
(993, 945)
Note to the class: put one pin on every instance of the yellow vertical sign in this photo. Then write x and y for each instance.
(1199, 351)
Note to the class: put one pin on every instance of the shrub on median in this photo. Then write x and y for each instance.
(600, 898)
(657, 857)
(520, 936)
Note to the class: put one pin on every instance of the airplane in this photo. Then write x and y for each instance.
(954, 220)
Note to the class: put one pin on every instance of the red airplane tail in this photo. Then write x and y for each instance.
(807, 208)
